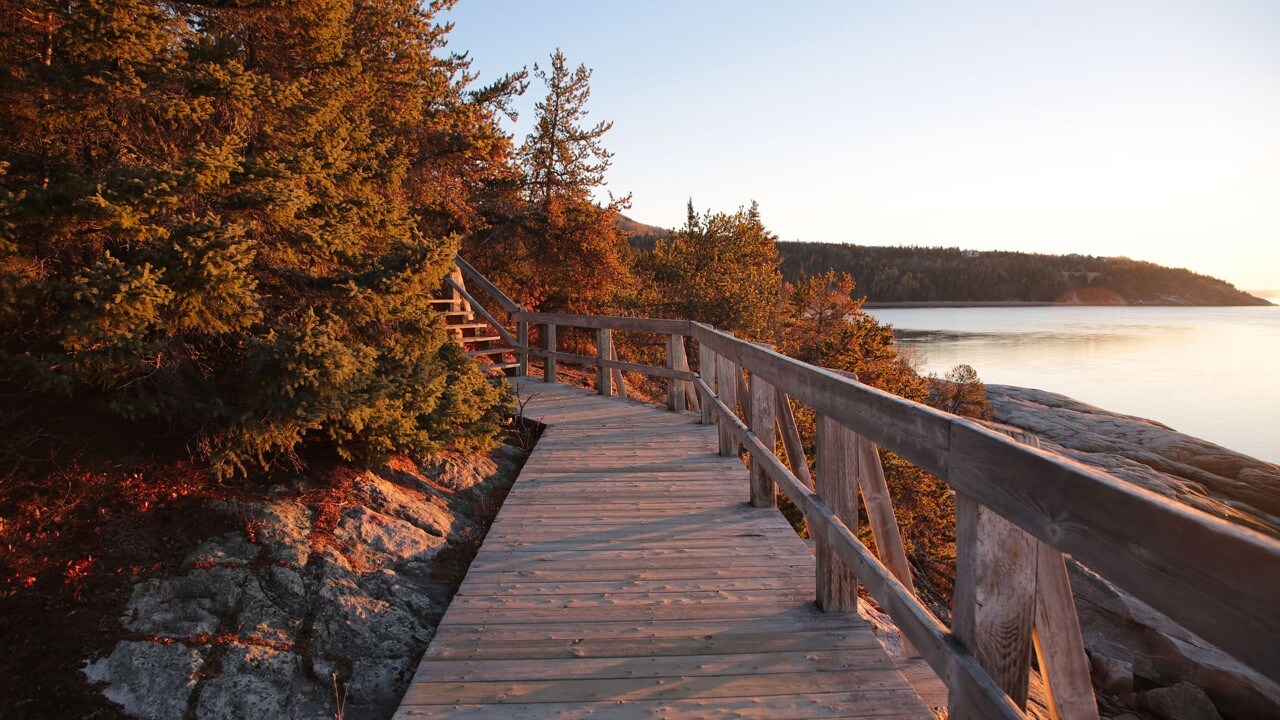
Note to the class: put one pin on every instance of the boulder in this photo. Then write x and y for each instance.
(1110, 674)
(458, 472)
(354, 625)
(255, 682)
(186, 606)
(149, 680)
(230, 550)
(1183, 701)
(426, 512)
(375, 540)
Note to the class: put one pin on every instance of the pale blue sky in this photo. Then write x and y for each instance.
(1128, 127)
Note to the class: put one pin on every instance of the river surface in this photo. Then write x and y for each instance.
(1209, 372)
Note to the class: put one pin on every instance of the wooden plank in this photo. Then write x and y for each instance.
(764, 423)
(994, 606)
(884, 526)
(604, 350)
(727, 374)
(707, 369)
(729, 642)
(618, 380)
(589, 361)
(676, 362)
(595, 322)
(549, 362)
(522, 349)
(1058, 642)
(796, 459)
(879, 704)
(837, 467)
(633, 689)
(684, 666)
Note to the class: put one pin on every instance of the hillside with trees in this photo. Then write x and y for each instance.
(927, 275)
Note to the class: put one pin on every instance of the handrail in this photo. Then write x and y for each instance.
(474, 275)
(609, 322)
(1218, 580)
(949, 658)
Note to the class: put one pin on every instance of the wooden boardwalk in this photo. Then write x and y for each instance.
(627, 577)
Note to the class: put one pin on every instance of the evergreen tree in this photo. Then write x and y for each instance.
(231, 219)
(825, 326)
(557, 248)
(720, 268)
(960, 392)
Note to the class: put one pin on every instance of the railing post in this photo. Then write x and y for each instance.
(726, 381)
(676, 360)
(604, 352)
(458, 304)
(522, 348)
(995, 597)
(836, 471)
(549, 341)
(764, 424)
(1012, 598)
(707, 369)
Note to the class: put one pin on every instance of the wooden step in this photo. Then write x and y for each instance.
(444, 301)
(490, 351)
(480, 338)
(500, 366)
(468, 326)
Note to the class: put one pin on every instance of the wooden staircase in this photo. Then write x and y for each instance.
(469, 325)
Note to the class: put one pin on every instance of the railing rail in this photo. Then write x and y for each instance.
(1019, 508)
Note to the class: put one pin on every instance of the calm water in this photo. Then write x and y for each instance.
(1209, 372)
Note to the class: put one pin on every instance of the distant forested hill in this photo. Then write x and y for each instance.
(936, 274)
(919, 274)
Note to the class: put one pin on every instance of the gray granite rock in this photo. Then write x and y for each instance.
(276, 620)
(374, 540)
(149, 679)
(230, 550)
(1110, 674)
(186, 606)
(1183, 701)
(255, 682)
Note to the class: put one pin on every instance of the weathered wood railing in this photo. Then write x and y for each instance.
(1019, 509)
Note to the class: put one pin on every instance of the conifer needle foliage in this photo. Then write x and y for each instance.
(230, 216)
(554, 244)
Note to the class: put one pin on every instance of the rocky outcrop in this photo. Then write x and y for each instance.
(311, 607)
(1142, 662)
(1199, 473)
